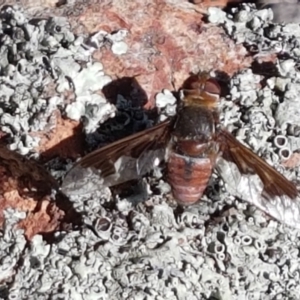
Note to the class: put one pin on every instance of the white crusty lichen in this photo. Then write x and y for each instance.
(41, 58)
(166, 102)
(257, 31)
(221, 248)
(12, 244)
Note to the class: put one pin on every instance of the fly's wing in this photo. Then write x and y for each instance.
(28, 174)
(124, 160)
(250, 178)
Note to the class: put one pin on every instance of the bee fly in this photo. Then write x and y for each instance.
(192, 144)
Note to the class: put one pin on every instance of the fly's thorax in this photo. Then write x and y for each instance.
(194, 124)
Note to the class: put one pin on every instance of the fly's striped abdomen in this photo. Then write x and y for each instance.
(188, 177)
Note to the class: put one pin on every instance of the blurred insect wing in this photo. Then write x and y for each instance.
(26, 172)
(127, 159)
(250, 178)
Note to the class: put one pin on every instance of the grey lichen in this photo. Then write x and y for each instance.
(220, 248)
(41, 57)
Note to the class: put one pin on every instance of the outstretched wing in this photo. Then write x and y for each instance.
(124, 160)
(250, 178)
(29, 175)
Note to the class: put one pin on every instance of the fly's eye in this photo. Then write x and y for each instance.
(195, 85)
(192, 83)
(212, 87)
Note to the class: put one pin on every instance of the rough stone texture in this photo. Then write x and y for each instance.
(221, 248)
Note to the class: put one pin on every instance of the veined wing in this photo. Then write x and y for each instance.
(124, 160)
(251, 179)
(26, 172)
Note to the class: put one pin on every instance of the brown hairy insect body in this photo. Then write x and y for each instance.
(192, 144)
(193, 147)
